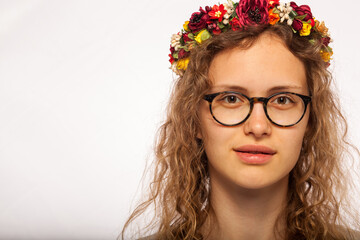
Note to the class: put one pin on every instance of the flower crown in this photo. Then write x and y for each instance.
(236, 16)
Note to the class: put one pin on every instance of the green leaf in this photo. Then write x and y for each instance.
(312, 41)
(233, 14)
(276, 10)
(191, 36)
(176, 55)
(293, 14)
(221, 25)
(300, 17)
(205, 35)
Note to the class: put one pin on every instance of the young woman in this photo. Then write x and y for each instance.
(253, 144)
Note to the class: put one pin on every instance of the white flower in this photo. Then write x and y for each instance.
(289, 22)
(174, 68)
(175, 41)
(285, 9)
(229, 7)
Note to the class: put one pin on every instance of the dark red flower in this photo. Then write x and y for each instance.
(199, 20)
(297, 25)
(253, 12)
(172, 49)
(186, 38)
(325, 41)
(235, 24)
(302, 10)
(183, 54)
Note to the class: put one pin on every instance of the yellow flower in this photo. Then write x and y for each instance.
(182, 63)
(306, 29)
(185, 26)
(202, 36)
(325, 55)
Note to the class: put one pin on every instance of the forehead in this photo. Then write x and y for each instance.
(267, 64)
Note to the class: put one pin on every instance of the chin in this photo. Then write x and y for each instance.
(256, 182)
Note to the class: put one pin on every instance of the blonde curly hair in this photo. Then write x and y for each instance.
(317, 184)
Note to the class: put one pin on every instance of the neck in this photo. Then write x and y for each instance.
(245, 213)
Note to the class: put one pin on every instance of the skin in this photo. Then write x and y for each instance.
(247, 198)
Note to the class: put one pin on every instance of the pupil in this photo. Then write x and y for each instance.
(281, 100)
(231, 99)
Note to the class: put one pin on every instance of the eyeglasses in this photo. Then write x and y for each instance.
(284, 109)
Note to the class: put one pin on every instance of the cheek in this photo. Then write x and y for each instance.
(291, 140)
(214, 134)
(216, 137)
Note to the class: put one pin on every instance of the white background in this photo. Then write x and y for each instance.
(83, 88)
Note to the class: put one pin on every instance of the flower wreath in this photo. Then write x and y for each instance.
(221, 18)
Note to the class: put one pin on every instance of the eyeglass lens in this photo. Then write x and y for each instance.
(282, 109)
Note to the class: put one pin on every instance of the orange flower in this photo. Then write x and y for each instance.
(273, 17)
(326, 55)
(321, 28)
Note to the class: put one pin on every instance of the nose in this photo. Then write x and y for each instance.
(257, 124)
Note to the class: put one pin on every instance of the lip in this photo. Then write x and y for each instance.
(254, 154)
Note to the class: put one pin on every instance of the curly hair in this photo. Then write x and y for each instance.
(317, 184)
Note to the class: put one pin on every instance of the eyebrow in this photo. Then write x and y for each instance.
(245, 90)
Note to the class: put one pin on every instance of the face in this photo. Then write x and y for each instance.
(264, 69)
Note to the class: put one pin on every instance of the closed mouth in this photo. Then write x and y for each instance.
(255, 149)
(253, 152)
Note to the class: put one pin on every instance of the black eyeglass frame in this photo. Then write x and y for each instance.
(264, 100)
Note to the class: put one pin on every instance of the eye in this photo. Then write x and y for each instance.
(283, 100)
(231, 99)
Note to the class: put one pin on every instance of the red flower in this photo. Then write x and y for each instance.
(302, 10)
(253, 12)
(312, 22)
(183, 54)
(171, 60)
(214, 28)
(217, 12)
(297, 25)
(199, 20)
(235, 24)
(186, 38)
(216, 31)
